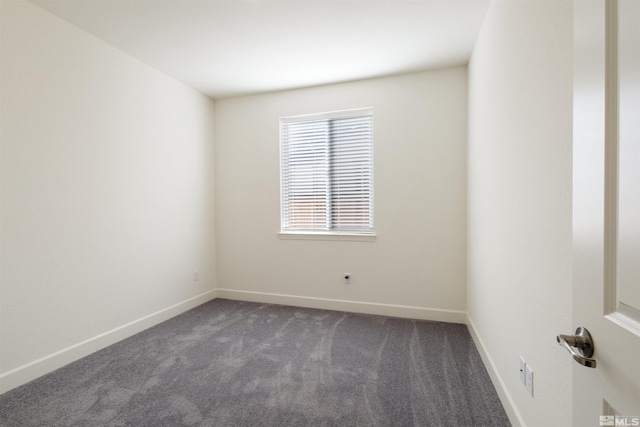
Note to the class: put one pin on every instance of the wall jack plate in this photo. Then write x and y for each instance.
(529, 379)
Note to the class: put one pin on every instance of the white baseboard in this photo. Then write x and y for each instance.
(504, 395)
(422, 313)
(30, 371)
(44, 365)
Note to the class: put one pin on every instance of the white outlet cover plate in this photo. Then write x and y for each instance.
(529, 380)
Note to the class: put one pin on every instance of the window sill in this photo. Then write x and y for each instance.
(352, 237)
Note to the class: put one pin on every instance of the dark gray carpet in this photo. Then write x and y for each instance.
(230, 363)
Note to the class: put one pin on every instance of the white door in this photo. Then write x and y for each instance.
(606, 219)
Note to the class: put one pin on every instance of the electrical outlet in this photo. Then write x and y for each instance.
(523, 366)
(529, 379)
(347, 278)
(196, 275)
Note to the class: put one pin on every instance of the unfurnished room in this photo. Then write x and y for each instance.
(319, 213)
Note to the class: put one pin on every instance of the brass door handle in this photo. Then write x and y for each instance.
(580, 346)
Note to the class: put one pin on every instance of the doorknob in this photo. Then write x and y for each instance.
(580, 346)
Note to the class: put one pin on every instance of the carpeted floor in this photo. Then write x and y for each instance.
(230, 363)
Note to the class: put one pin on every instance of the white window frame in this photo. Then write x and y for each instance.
(328, 234)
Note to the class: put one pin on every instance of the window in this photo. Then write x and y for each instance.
(327, 173)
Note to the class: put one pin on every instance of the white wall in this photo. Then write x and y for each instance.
(418, 259)
(107, 194)
(519, 200)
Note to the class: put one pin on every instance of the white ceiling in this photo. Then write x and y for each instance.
(234, 47)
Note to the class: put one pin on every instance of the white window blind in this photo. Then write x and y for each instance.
(327, 172)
